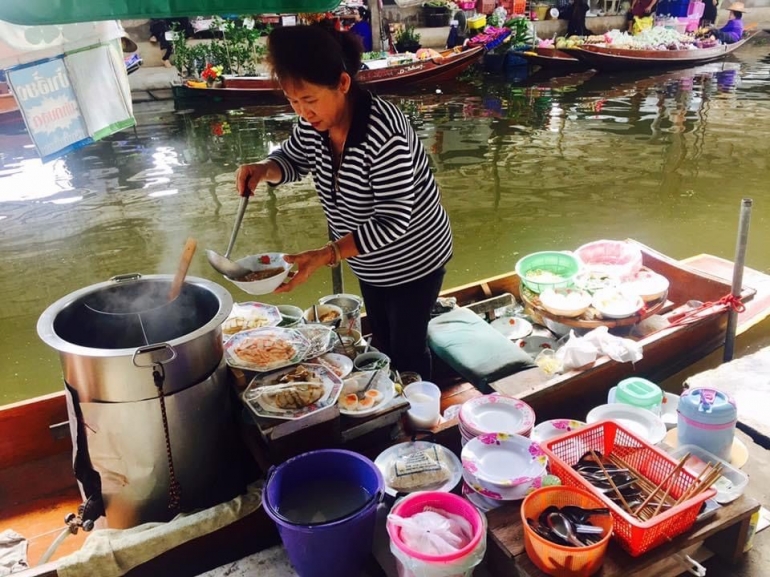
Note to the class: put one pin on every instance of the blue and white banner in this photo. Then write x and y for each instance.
(74, 99)
(50, 107)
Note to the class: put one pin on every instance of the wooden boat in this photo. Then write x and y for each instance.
(622, 59)
(35, 449)
(9, 109)
(432, 71)
(553, 58)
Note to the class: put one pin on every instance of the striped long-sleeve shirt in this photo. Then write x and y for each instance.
(384, 192)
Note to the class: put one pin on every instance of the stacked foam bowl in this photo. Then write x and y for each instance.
(500, 462)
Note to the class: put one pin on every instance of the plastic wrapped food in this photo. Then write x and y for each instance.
(418, 470)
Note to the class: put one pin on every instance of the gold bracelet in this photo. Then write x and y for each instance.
(336, 256)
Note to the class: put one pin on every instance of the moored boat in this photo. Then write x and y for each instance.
(607, 58)
(35, 450)
(433, 70)
(553, 58)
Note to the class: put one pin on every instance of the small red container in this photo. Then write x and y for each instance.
(485, 6)
(609, 438)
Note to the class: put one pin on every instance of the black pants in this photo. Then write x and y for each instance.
(398, 317)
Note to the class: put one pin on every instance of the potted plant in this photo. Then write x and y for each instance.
(436, 13)
(407, 40)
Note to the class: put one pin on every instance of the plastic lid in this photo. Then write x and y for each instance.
(708, 406)
(639, 393)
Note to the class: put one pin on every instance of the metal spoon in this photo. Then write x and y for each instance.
(581, 515)
(223, 264)
(562, 528)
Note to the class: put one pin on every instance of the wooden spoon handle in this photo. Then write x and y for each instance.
(184, 265)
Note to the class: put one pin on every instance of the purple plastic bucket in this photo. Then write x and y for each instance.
(338, 548)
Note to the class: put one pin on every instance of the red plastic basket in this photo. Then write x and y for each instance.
(609, 438)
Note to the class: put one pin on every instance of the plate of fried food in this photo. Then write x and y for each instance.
(265, 349)
(250, 315)
(293, 392)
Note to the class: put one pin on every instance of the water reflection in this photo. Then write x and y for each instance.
(524, 165)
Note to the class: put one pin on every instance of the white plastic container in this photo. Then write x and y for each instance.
(425, 404)
(729, 487)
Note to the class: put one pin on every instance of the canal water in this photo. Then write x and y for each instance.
(545, 163)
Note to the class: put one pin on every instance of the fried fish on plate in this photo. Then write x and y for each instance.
(295, 396)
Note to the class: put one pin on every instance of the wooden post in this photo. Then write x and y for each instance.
(738, 264)
(375, 9)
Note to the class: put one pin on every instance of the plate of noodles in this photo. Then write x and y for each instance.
(265, 349)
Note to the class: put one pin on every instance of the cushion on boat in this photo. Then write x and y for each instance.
(479, 353)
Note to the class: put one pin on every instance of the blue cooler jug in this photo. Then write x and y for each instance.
(706, 418)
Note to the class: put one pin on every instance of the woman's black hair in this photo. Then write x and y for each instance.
(363, 12)
(738, 15)
(313, 54)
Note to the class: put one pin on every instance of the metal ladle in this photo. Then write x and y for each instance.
(223, 264)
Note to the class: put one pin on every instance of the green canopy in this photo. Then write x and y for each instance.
(42, 12)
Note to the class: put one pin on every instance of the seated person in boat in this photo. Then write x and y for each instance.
(732, 32)
(575, 15)
(363, 28)
(640, 9)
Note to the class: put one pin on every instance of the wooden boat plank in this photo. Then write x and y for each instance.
(41, 523)
(26, 429)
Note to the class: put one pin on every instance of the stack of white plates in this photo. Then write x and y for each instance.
(495, 413)
(498, 467)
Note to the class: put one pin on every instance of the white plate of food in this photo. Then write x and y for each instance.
(320, 337)
(647, 284)
(354, 402)
(265, 349)
(293, 393)
(250, 315)
(565, 302)
(340, 365)
(512, 327)
(418, 466)
(642, 422)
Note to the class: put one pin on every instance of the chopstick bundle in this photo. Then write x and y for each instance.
(668, 480)
(612, 483)
(698, 487)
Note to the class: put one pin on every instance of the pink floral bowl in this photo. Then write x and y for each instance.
(548, 430)
(503, 467)
(496, 413)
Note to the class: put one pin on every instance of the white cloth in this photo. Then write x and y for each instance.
(114, 552)
(13, 552)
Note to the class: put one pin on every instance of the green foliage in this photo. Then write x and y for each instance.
(238, 51)
(520, 31)
(407, 35)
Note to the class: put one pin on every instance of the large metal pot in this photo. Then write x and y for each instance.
(112, 336)
(351, 309)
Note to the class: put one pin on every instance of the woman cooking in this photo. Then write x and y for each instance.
(375, 185)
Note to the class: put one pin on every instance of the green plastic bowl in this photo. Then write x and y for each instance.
(563, 264)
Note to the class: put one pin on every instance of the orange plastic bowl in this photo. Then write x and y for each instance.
(558, 560)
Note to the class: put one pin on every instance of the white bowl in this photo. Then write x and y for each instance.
(323, 310)
(254, 263)
(647, 284)
(565, 302)
(503, 467)
(616, 304)
(548, 430)
(642, 422)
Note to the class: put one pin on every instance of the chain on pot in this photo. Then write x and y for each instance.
(174, 488)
